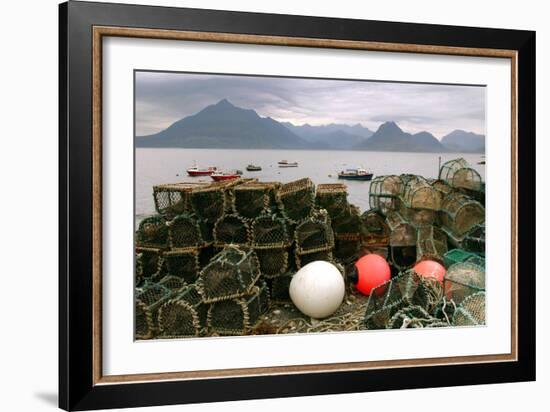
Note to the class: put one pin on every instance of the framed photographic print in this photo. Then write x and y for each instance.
(257, 205)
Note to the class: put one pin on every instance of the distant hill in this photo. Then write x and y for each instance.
(331, 136)
(461, 141)
(390, 137)
(224, 125)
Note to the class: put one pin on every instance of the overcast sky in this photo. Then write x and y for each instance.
(163, 98)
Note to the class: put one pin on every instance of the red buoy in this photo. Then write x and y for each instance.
(430, 269)
(370, 271)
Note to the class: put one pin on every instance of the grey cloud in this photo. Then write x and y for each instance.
(163, 98)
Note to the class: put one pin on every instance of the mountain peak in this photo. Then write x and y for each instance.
(224, 102)
(389, 127)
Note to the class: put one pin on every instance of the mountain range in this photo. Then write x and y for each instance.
(224, 125)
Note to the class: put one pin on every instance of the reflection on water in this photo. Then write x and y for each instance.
(156, 166)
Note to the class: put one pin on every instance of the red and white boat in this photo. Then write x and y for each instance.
(220, 176)
(195, 171)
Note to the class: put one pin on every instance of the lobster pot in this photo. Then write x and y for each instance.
(414, 316)
(185, 231)
(253, 198)
(476, 260)
(314, 234)
(270, 231)
(384, 193)
(456, 256)
(471, 312)
(402, 233)
(273, 262)
(431, 244)
(279, 288)
(149, 263)
(376, 230)
(442, 187)
(184, 315)
(173, 199)
(297, 199)
(172, 283)
(230, 274)
(239, 316)
(148, 301)
(208, 202)
(348, 229)
(152, 233)
(459, 214)
(231, 230)
(458, 174)
(183, 264)
(205, 255)
(402, 257)
(333, 197)
(419, 194)
(474, 241)
(305, 258)
(418, 217)
(462, 280)
(408, 288)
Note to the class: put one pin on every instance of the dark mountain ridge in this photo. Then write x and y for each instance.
(224, 125)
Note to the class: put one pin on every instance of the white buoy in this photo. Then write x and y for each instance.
(317, 289)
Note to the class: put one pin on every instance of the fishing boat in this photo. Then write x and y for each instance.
(219, 176)
(286, 163)
(355, 174)
(253, 168)
(195, 171)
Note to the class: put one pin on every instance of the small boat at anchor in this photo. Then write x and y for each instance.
(220, 176)
(355, 174)
(195, 171)
(286, 163)
(253, 168)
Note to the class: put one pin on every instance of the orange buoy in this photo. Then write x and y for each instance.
(430, 269)
(369, 272)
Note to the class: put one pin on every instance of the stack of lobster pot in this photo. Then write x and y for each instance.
(347, 224)
(230, 284)
(314, 239)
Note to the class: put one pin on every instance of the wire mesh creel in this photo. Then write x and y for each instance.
(230, 274)
(458, 174)
(239, 316)
(384, 193)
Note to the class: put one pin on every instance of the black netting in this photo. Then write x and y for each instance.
(231, 230)
(254, 198)
(304, 259)
(231, 273)
(270, 231)
(183, 264)
(238, 316)
(279, 287)
(273, 262)
(314, 234)
(297, 199)
(185, 231)
(173, 199)
(152, 233)
(333, 197)
(404, 290)
(184, 315)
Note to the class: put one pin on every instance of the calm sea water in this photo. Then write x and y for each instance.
(156, 166)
